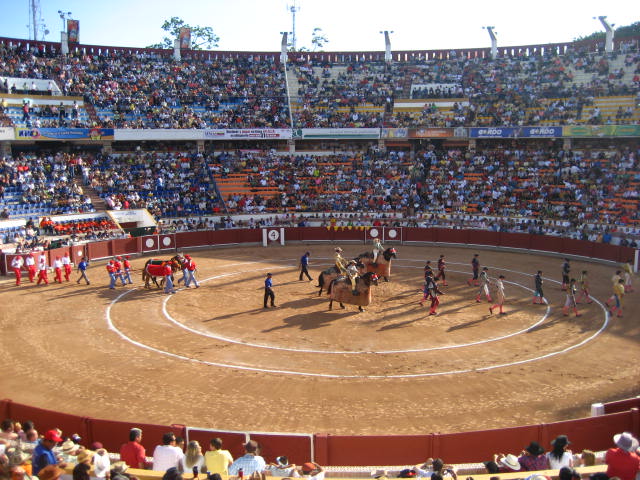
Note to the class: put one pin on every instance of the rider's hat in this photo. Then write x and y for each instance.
(352, 262)
(338, 249)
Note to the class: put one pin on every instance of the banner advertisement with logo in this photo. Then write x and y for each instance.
(246, 134)
(7, 133)
(185, 38)
(395, 132)
(541, 132)
(64, 134)
(493, 132)
(601, 131)
(430, 132)
(73, 31)
(337, 133)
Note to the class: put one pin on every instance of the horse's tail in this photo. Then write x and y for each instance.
(321, 280)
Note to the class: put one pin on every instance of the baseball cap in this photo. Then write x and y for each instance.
(52, 435)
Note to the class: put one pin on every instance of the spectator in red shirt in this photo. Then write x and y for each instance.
(132, 452)
(623, 462)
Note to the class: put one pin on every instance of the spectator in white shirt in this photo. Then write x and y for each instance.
(167, 455)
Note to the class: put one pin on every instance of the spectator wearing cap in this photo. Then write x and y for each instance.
(560, 456)
(132, 452)
(282, 468)
(533, 458)
(312, 471)
(217, 459)
(250, 462)
(167, 455)
(623, 461)
(43, 454)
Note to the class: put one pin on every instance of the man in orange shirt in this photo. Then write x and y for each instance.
(132, 452)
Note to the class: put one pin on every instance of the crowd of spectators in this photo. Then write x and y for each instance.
(585, 193)
(147, 90)
(44, 180)
(24, 452)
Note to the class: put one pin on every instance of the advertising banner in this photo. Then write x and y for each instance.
(541, 132)
(601, 131)
(395, 132)
(492, 132)
(7, 133)
(185, 38)
(246, 134)
(64, 134)
(430, 132)
(73, 31)
(336, 133)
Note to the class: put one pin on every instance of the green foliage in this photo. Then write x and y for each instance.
(318, 39)
(202, 38)
(625, 31)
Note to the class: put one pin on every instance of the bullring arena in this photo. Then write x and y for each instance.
(247, 178)
(213, 357)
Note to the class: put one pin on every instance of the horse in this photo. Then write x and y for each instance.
(331, 273)
(154, 267)
(340, 290)
(382, 268)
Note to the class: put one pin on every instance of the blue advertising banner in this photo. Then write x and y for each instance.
(64, 133)
(492, 132)
(516, 132)
(541, 132)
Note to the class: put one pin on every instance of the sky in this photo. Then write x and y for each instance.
(350, 25)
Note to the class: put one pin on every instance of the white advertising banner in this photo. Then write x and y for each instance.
(132, 134)
(247, 134)
(7, 133)
(206, 134)
(337, 133)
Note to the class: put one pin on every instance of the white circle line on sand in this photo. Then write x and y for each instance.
(325, 375)
(343, 352)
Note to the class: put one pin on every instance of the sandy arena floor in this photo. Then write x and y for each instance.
(213, 357)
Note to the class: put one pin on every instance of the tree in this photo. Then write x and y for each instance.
(201, 37)
(625, 31)
(318, 39)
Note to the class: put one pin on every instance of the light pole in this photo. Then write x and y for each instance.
(494, 41)
(387, 45)
(63, 17)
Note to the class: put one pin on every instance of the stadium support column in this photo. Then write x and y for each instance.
(608, 39)
(387, 46)
(566, 144)
(494, 41)
(200, 146)
(5, 149)
(177, 55)
(64, 43)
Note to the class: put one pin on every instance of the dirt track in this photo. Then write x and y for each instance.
(215, 358)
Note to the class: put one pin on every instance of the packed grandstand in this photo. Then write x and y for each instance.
(541, 140)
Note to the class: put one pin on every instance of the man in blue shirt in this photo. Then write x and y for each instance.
(268, 291)
(43, 454)
(82, 268)
(304, 263)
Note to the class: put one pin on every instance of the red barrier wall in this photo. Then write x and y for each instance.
(47, 419)
(296, 447)
(622, 405)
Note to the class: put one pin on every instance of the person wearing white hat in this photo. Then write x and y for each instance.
(623, 461)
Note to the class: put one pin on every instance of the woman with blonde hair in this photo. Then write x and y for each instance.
(193, 459)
